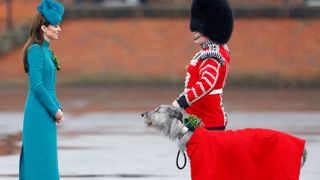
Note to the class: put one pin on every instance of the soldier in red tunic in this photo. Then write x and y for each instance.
(212, 24)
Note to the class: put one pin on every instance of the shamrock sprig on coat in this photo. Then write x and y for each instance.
(56, 61)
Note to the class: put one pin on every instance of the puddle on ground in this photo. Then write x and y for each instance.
(9, 144)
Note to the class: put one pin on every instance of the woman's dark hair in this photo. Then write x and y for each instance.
(35, 37)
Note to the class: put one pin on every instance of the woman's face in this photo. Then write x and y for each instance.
(198, 38)
(51, 32)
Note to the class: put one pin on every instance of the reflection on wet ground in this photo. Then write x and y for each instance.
(8, 144)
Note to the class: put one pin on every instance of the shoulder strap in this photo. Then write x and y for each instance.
(212, 54)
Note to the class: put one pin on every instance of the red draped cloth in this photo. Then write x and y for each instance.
(248, 154)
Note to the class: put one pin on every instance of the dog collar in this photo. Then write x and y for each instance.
(184, 131)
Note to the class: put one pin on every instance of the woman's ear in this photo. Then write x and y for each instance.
(43, 28)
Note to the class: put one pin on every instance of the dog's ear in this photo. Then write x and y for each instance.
(180, 116)
(185, 115)
(176, 113)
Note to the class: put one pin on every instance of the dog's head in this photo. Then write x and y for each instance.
(161, 115)
(166, 119)
(169, 121)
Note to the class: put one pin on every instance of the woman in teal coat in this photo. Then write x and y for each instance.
(39, 157)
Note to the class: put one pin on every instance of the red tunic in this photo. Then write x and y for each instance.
(248, 154)
(205, 79)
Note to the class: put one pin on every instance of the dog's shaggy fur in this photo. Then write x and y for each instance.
(169, 121)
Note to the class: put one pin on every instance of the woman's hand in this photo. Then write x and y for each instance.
(59, 116)
(175, 103)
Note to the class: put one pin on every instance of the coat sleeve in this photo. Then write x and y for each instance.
(36, 63)
(58, 103)
(208, 75)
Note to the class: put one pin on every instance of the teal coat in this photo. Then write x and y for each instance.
(39, 158)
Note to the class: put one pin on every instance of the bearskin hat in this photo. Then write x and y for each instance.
(212, 18)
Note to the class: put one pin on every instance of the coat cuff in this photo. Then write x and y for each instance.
(182, 101)
(54, 112)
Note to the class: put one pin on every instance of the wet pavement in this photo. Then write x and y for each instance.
(110, 146)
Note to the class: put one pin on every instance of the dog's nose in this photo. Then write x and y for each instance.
(143, 114)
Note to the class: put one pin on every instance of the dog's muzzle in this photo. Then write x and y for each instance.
(145, 117)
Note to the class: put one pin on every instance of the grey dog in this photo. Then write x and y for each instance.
(169, 121)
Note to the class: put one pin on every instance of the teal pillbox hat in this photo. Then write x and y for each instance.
(51, 10)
